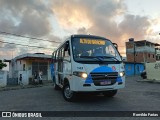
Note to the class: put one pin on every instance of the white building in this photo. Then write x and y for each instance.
(3, 78)
(28, 64)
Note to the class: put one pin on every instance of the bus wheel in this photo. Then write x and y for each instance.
(110, 93)
(68, 94)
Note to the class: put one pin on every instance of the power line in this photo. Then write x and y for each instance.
(24, 45)
(32, 46)
(19, 42)
(6, 33)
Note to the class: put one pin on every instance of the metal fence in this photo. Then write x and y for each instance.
(40, 66)
(12, 81)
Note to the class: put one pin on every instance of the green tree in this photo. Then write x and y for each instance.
(2, 65)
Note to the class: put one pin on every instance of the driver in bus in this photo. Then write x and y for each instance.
(98, 52)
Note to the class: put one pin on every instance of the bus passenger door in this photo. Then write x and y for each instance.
(60, 65)
(64, 64)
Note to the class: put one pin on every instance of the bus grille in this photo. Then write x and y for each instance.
(104, 79)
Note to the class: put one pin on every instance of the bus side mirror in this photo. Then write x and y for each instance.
(121, 58)
(115, 45)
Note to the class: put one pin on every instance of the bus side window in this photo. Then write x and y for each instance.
(67, 53)
(57, 55)
(53, 57)
(66, 49)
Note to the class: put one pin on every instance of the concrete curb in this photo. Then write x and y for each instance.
(149, 81)
(7, 88)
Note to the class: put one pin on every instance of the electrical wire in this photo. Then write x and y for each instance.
(6, 33)
(24, 45)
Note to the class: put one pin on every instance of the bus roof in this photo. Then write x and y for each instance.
(88, 36)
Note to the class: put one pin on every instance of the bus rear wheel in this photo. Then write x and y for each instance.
(68, 95)
(110, 93)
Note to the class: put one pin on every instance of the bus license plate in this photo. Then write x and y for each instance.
(108, 82)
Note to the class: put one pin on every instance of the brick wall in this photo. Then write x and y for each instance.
(129, 45)
(141, 57)
(130, 57)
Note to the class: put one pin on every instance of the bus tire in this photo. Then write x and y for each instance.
(68, 95)
(110, 93)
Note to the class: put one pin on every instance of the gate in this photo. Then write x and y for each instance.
(40, 66)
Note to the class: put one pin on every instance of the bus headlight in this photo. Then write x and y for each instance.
(80, 74)
(84, 75)
(122, 73)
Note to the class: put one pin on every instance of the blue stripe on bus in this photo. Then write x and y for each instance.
(89, 79)
(119, 79)
(101, 69)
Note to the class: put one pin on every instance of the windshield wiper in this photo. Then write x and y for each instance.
(107, 57)
(99, 58)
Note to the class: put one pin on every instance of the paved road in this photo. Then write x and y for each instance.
(136, 96)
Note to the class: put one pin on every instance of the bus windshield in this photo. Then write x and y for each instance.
(93, 50)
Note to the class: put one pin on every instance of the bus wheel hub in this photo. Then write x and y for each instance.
(68, 93)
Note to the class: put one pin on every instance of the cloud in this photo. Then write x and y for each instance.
(105, 18)
(10, 46)
(90, 17)
(153, 31)
(6, 50)
(93, 16)
(25, 17)
(34, 25)
(1, 42)
(135, 26)
(22, 50)
(72, 14)
(54, 38)
(6, 53)
(82, 30)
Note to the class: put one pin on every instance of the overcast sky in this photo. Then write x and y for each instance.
(117, 20)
